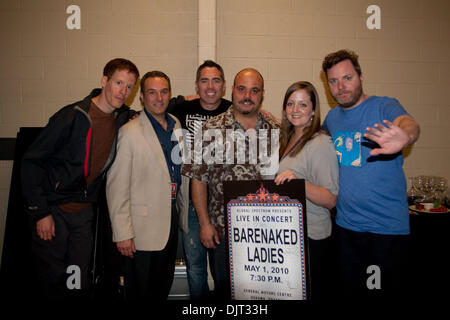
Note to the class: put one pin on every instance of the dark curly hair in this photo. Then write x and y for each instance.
(339, 56)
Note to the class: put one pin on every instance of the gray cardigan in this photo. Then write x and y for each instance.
(317, 164)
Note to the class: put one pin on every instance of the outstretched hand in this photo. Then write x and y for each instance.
(389, 137)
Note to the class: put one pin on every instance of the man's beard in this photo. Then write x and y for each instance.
(354, 99)
(241, 102)
(246, 112)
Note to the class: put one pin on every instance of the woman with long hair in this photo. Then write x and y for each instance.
(307, 152)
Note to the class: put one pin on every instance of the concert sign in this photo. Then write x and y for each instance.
(267, 240)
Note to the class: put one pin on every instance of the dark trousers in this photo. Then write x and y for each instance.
(218, 261)
(149, 274)
(371, 266)
(63, 265)
(320, 269)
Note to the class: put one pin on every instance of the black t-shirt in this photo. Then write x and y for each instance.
(192, 116)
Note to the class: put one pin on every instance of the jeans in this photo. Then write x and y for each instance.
(196, 255)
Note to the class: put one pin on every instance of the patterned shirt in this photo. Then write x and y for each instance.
(229, 153)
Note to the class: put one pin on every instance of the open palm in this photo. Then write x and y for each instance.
(389, 137)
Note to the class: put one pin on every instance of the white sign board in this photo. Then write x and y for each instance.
(266, 247)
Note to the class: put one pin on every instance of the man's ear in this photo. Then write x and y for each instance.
(224, 88)
(196, 87)
(104, 81)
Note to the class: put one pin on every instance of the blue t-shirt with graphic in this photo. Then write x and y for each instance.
(372, 189)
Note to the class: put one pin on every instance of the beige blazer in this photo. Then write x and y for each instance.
(138, 187)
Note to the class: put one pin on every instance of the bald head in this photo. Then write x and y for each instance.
(248, 91)
(249, 72)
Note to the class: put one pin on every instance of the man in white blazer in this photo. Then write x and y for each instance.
(144, 189)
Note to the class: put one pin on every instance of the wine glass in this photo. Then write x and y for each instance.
(413, 192)
(441, 189)
(419, 184)
(432, 186)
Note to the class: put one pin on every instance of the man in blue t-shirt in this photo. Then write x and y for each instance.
(369, 133)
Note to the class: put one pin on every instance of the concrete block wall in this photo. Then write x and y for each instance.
(44, 65)
(408, 58)
(5, 178)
